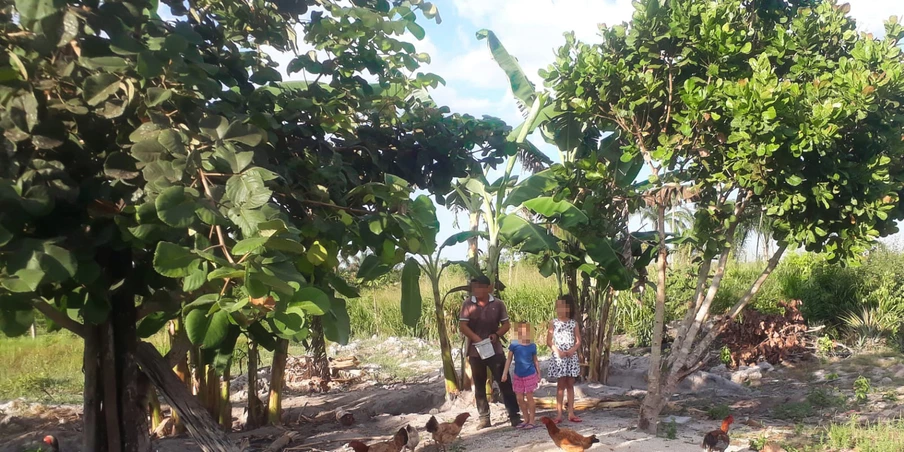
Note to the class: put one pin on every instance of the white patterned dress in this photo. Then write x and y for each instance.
(563, 338)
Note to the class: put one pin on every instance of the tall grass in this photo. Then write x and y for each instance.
(528, 297)
(887, 436)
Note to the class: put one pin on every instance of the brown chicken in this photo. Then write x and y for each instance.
(718, 440)
(447, 432)
(52, 442)
(567, 439)
(396, 444)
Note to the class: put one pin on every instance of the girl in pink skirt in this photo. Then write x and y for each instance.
(525, 375)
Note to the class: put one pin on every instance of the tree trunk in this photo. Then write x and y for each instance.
(93, 434)
(467, 382)
(225, 405)
(319, 361)
(474, 226)
(212, 382)
(177, 333)
(653, 401)
(200, 425)
(608, 348)
(256, 416)
(444, 346)
(154, 409)
(277, 381)
(198, 375)
(597, 350)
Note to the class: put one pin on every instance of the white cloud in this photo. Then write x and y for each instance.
(872, 14)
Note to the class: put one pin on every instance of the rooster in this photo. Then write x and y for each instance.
(396, 444)
(52, 442)
(413, 437)
(567, 439)
(446, 432)
(718, 440)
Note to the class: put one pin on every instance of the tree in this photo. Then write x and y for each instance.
(153, 169)
(735, 104)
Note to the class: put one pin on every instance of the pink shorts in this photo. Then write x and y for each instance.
(525, 385)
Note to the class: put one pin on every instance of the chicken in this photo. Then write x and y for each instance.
(413, 437)
(718, 440)
(567, 439)
(446, 432)
(52, 442)
(396, 444)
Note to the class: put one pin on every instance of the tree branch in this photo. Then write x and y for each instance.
(219, 229)
(720, 325)
(59, 318)
(334, 206)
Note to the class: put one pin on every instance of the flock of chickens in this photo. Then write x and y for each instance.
(565, 439)
(446, 433)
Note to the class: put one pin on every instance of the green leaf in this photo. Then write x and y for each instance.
(461, 237)
(317, 253)
(31, 11)
(99, 88)
(173, 260)
(247, 191)
(226, 348)
(533, 187)
(120, 165)
(206, 331)
(336, 324)
(289, 246)
(522, 88)
(243, 133)
(15, 322)
(469, 267)
(341, 286)
(568, 214)
(248, 245)
(794, 180)
(175, 208)
(372, 268)
(416, 30)
(311, 300)
(5, 235)
(196, 279)
(226, 273)
(411, 293)
(59, 263)
(24, 281)
(152, 323)
(530, 237)
(608, 260)
(157, 96)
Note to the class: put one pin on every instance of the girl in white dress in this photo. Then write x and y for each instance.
(564, 339)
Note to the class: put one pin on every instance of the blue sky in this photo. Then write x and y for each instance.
(531, 30)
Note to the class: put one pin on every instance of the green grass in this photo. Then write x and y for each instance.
(871, 437)
(47, 368)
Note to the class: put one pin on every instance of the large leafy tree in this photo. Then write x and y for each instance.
(152, 169)
(736, 104)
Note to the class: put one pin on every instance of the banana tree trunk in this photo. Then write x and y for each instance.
(256, 415)
(444, 345)
(474, 226)
(154, 408)
(224, 404)
(321, 365)
(277, 381)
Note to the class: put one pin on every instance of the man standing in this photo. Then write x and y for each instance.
(484, 316)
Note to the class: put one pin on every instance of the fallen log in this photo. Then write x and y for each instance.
(197, 420)
(588, 404)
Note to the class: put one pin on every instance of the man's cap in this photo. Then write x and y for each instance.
(482, 279)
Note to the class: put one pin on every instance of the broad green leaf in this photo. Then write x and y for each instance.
(569, 215)
(153, 323)
(226, 348)
(609, 261)
(176, 206)
(271, 281)
(341, 286)
(461, 237)
(173, 260)
(59, 263)
(196, 278)
(157, 96)
(32, 11)
(99, 88)
(522, 88)
(411, 301)
(226, 272)
(336, 324)
(120, 165)
(5, 235)
(243, 133)
(217, 330)
(317, 254)
(15, 322)
(372, 268)
(206, 331)
(469, 267)
(416, 30)
(529, 237)
(248, 245)
(247, 191)
(289, 246)
(311, 300)
(794, 180)
(24, 281)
